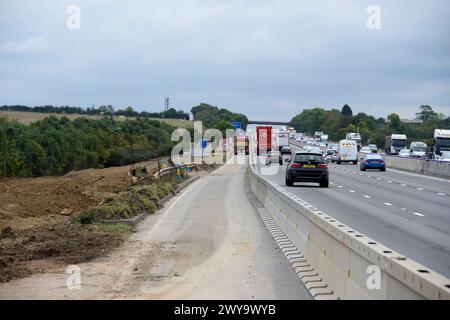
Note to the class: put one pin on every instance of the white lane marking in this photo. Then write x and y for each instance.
(340, 187)
(367, 197)
(378, 178)
(331, 182)
(441, 194)
(403, 185)
(419, 214)
(389, 181)
(420, 189)
(387, 203)
(403, 209)
(351, 191)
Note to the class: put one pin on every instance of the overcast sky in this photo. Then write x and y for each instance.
(268, 59)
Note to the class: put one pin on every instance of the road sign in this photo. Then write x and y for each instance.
(236, 124)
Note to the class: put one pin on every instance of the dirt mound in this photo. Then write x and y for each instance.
(28, 202)
(36, 249)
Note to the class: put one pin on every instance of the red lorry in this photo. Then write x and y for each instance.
(264, 139)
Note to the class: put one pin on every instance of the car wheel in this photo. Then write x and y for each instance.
(338, 162)
(383, 169)
(362, 169)
(289, 182)
(355, 162)
(324, 184)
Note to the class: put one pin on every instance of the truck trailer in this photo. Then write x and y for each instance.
(263, 139)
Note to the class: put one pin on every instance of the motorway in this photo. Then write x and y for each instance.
(410, 213)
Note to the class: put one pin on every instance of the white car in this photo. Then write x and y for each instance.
(274, 156)
(404, 153)
(316, 149)
(365, 150)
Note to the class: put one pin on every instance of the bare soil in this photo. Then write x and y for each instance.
(36, 226)
(37, 229)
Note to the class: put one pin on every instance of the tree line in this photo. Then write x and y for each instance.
(336, 123)
(55, 146)
(102, 110)
(218, 118)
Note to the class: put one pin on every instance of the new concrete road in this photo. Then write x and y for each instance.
(207, 243)
(407, 212)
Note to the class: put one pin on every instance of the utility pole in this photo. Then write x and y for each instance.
(74, 155)
(166, 103)
(157, 155)
(4, 151)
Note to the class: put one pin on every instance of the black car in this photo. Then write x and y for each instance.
(307, 167)
(286, 150)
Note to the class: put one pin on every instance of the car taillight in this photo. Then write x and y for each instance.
(296, 165)
(323, 166)
(366, 161)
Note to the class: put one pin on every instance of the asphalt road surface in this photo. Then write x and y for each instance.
(407, 212)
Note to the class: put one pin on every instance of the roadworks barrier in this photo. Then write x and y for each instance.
(426, 166)
(346, 263)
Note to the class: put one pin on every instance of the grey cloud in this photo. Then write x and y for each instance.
(268, 59)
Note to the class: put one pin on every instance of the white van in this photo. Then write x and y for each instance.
(348, 151)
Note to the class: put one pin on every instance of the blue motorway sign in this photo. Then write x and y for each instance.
(236, 124)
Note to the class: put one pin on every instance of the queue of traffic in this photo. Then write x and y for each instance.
(309, 163)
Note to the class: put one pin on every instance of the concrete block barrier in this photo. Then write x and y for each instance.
(425, 166)
(352, 265)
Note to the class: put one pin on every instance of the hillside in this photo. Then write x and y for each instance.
(30, 117)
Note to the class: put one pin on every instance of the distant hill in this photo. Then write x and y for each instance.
(29, 117)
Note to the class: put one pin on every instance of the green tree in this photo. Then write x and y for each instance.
(395, 122)
(346, 110)
(426, 112)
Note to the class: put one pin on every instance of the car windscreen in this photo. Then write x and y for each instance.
(399, 143)
(308, 158)
(443, 142)
(330, 152)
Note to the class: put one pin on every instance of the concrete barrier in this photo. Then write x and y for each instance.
(425, 166)
(352, 265)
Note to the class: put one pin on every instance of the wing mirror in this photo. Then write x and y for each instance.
(287, 160)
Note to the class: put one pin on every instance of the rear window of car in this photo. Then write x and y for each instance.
(374, 156)
(302, 158)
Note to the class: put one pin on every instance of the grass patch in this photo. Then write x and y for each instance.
(117, 228)
(128, 204)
